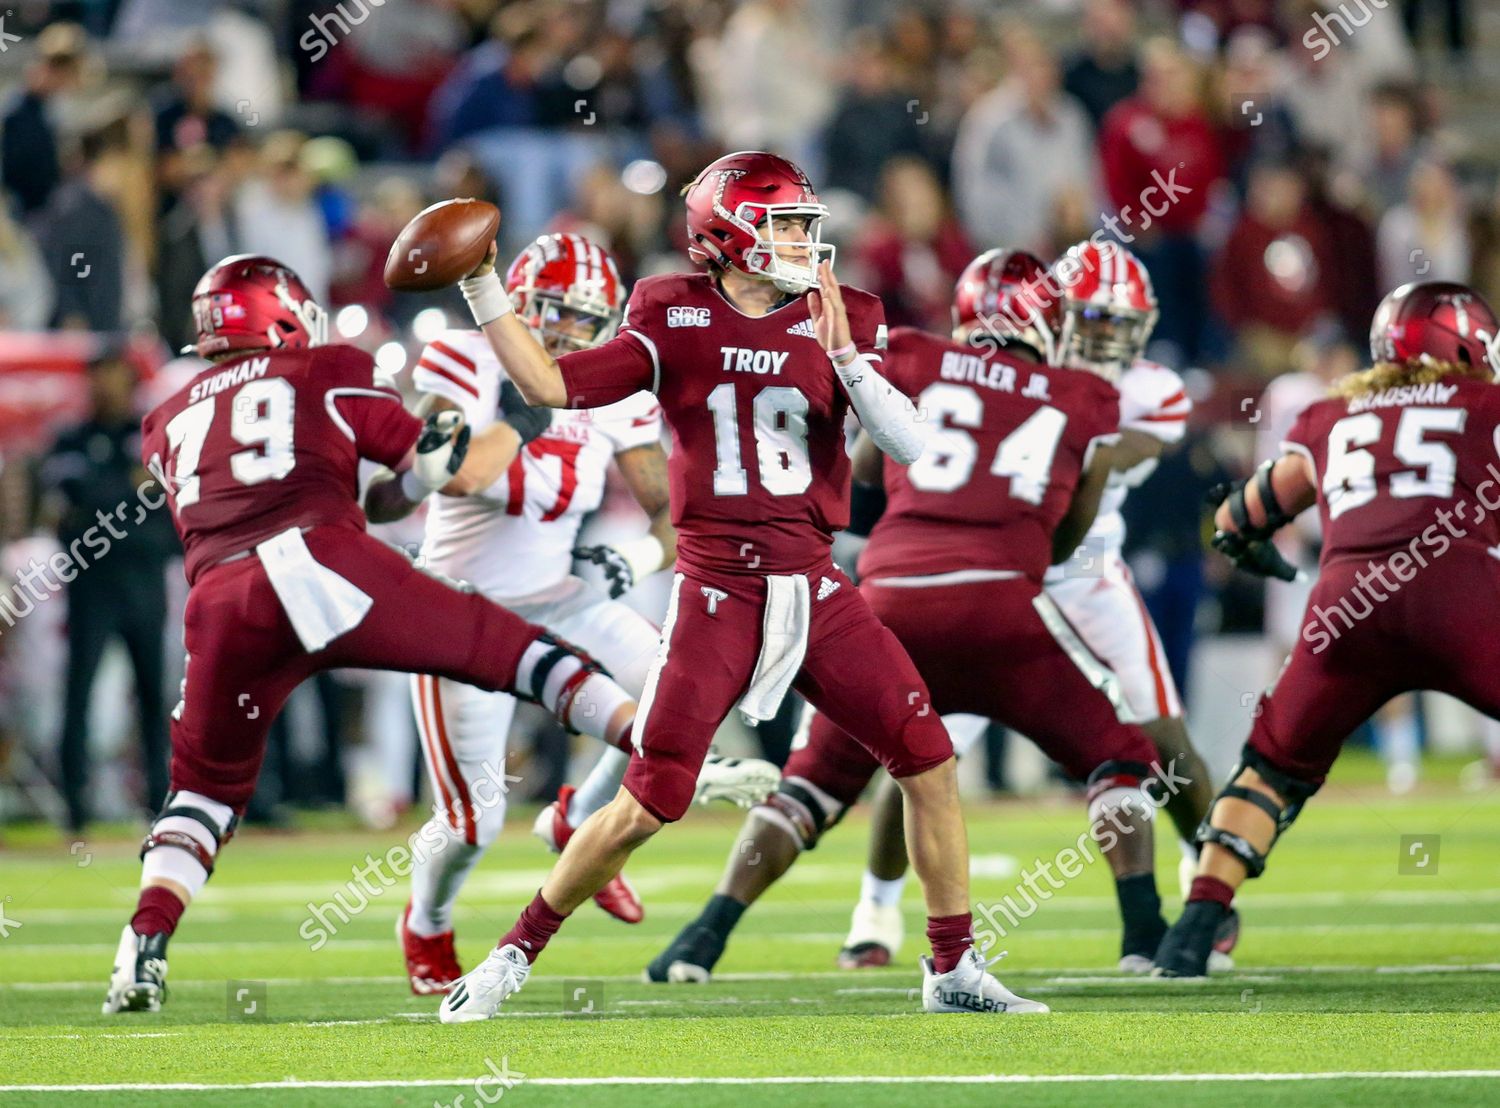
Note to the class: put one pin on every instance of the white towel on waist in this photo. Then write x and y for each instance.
(321, 604)
(783, 643)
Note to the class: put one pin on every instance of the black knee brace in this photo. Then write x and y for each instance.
(798, 806)
(539, 661)
(1117, 773)
(1293, 790)
(156, 839)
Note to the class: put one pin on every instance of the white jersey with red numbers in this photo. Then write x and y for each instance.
(515, 539)
(1094, 587)
(1153, 400)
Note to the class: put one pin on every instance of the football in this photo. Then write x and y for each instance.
(441, 245)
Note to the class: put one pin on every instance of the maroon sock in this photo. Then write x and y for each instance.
(950, 936)
(1210, 888)
(157, 910)
(538, 923)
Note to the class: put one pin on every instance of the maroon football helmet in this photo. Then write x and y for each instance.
(1001, 296)
(568, 291)
(1435, 321)
(250, 302)
(731, 207)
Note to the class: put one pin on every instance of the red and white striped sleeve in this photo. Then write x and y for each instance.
(1153, 400)
(459, 366)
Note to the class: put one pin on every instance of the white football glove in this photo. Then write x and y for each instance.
(440, 453)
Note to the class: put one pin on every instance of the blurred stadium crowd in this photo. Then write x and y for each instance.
(1278, 165)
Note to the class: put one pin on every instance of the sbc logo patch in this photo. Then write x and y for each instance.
(687, 317)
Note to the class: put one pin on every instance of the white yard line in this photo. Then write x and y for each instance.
(1091, 975)
(205, 909)
(1021, 930)
(946, 1079)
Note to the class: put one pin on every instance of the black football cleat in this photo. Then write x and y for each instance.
(690, 959)
(139, 980)
(1185, 950)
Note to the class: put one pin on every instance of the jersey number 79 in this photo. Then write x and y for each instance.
(260, 417)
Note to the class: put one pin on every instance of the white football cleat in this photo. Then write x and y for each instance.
(479, 993)
(741, 781)
(138, 982)
(685, 973)
(970, 987)
(1187, 869)
(1136, 964)
(875, 935)
(1220, 963)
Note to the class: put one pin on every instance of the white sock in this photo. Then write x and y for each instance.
(599, 787)
(1489, 731)
(1189, 850)
(1397, 739)
(436, 876)
(882, 892)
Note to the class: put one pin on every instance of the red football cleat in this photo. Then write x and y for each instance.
(864, 956)
(431, 962)
(618, 898)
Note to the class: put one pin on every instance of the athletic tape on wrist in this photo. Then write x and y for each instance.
(487, 298)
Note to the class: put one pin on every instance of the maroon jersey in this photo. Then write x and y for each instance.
(1007, 443)
(1392, 466)
(759, 473)
(266, 442)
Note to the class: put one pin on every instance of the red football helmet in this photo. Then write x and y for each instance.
(1435, 321)
(250, 302)
(1001, 296)
(1108, 307)
(732, 206)
(568, 291)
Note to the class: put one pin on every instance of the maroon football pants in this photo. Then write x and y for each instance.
(854, 671)
(1356, 651)
(998, 649)
(244, 659)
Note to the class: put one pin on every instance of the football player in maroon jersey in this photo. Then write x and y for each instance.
(258, 455)
(1401, 461)
(739, 357)
(1007, 486)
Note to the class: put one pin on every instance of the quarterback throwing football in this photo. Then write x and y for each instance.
(756, 362)
(514, 542)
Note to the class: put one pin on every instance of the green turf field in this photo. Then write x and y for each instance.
(1366, 975)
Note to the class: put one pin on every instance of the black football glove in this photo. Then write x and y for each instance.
(1257, 556)
(1250, 548)
(440, 450)
(528, 422)
(616, 567)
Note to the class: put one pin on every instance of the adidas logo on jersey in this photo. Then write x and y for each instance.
(805, 329)
(827, 588)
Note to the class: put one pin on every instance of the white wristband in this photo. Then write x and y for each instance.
(413, 488)
(644, 555)
(487, 298)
